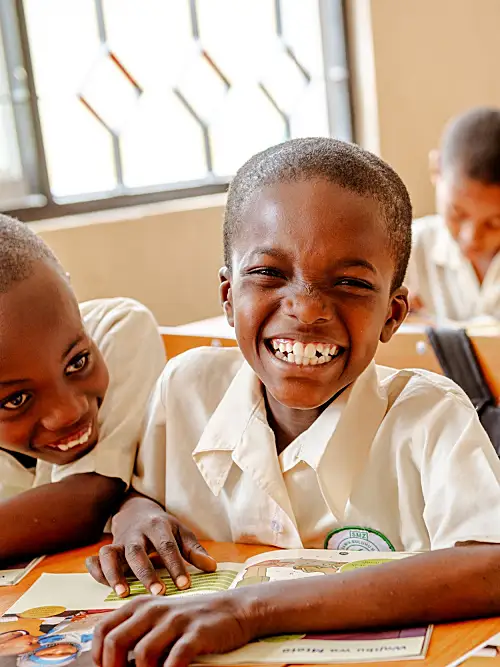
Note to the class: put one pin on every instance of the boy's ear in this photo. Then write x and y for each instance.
(434, 165)
(225, 294)
(398, 310)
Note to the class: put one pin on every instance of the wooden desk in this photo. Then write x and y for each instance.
(448, 642)
(409, 348)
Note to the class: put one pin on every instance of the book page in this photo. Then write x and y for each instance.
(329, 648)
(292, 564)
(53, 622)
(80, 591)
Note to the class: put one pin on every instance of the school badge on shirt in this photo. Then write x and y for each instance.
(356, 538)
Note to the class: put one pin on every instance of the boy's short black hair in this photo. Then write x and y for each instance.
(20, 249)
(323, 158)
(471, 145)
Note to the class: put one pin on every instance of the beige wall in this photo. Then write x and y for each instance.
(165, 255)
(416, 63)
(432, 59)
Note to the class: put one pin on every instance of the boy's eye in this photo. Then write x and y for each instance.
(267, 271)
(15, 401)
(354, 282)
(78, 363)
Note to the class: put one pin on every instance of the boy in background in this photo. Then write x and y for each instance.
(454, 270)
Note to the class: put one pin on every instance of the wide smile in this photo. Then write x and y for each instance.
(80, 437)
(300, 353)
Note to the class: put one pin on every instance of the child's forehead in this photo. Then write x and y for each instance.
(310, 213)
(36, 313)
(470, 190)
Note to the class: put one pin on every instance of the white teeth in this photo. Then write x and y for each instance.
(310, 350)
(78, 441)
(302, 354)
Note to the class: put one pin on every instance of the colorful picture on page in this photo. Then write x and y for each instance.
(48, 635)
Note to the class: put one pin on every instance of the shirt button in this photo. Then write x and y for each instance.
(276, 526)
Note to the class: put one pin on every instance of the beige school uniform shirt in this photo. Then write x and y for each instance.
(445, 280)
(398, 461)
(127, 335)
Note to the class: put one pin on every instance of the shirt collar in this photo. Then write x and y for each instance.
(336, 445)
(310, 445)
(345, 454)
(241, 404)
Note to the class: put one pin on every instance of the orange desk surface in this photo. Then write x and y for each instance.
(448, 642)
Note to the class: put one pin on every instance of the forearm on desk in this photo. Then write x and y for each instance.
(59, 516)
(443, 586)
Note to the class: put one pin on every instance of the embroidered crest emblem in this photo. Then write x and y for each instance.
(356, 538)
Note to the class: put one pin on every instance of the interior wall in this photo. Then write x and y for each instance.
(415, 63)
(432, 60)
(166, 255)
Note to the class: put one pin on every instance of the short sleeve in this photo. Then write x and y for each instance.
(127, 335)
(460, 477)
(149, 475)
(14, 477)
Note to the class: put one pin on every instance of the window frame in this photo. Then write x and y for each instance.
(40, 204)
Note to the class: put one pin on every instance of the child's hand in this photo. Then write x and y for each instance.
(140, 527)
(180, 628)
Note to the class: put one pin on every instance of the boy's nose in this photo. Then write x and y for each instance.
(308, 307)
(65, 411)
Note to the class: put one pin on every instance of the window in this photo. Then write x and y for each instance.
(106, 102)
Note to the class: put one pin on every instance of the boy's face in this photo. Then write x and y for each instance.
(311, 272)
(52, 376)
(472, 213)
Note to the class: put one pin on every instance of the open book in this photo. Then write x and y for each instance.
(62, 609)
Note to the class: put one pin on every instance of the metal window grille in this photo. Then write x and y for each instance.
(111, 102)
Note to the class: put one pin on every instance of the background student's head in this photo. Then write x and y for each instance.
(52, 377)
(317, 236)
(466, 172)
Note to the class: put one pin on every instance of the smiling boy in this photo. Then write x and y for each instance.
(74, 383)
(297, 438)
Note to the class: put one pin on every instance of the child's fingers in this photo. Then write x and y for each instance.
(112, 565)
(183, 651)
(140, 564)
(194, 553)
(155, 643)
(166, 546)
(103, 629)
(94, 568)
